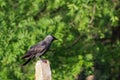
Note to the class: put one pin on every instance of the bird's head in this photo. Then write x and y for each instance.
(51, 38)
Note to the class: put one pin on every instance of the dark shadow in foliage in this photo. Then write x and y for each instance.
(107, 68)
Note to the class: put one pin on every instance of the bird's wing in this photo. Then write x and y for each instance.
(39, 48)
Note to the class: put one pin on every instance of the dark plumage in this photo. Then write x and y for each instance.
(39, 49)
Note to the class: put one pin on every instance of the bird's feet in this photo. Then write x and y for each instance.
(43, 60)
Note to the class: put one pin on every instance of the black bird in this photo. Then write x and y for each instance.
(39, 49)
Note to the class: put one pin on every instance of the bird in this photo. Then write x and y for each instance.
(39, 49)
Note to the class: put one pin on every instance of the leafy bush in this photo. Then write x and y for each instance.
(86, 29)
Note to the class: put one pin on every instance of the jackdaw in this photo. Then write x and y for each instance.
(39, 49)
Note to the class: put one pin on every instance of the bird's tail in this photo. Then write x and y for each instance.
(26, 62)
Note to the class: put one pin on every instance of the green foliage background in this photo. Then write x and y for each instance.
(85, 28)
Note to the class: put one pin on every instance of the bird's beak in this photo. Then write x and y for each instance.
(55, 38)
